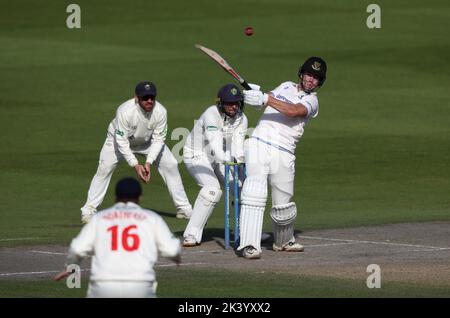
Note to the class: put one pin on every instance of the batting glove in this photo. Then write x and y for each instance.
(255, 98)
(254, 87)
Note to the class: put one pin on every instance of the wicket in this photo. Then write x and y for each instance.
(235, 200)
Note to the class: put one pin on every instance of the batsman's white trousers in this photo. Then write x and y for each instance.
(263, 160)
(121, 289)
(166, 164)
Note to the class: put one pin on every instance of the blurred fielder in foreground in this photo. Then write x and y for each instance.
(271, 156)
(217, 137)
(140, 127)
(125, 241)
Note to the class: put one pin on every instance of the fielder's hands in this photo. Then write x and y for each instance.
(61, 275)
(255, 98)
(148, 173)
(143, 172)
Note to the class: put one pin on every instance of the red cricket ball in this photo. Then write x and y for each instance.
(248, 31)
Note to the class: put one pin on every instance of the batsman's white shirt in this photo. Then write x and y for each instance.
(212, 131)
(125, 241)
(135, 130)
(279, 129)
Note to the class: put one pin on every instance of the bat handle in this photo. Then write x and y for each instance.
(245, 85)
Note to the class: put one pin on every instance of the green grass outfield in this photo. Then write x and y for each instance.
(195, 283)
(378, 152)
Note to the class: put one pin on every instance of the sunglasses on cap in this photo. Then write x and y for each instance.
(147, 97)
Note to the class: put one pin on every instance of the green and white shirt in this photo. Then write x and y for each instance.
(219, 137)
(135, 130)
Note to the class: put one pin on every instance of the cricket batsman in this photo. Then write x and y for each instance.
(271, 156)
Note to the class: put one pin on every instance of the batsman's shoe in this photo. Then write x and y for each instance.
(250, 252)
(184, 213)
(190, 241)
(289, 247)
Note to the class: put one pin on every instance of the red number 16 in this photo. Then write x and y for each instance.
(126, 237)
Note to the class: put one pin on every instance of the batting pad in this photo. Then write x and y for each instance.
(254, 192)
(203, 207)
(209, 195)
(250, 226)
(283, 221)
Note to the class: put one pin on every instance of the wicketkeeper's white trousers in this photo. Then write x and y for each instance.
(206, 177)
(167, 167)
(203, 172)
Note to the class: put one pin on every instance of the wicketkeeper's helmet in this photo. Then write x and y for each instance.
(315, 66)
(230, 93)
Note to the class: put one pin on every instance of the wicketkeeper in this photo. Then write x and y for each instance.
(217, 137)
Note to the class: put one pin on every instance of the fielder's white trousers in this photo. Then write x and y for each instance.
(277, 166)
(121, 289)
(166, 164)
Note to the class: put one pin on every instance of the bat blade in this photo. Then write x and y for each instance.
(224, 64)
